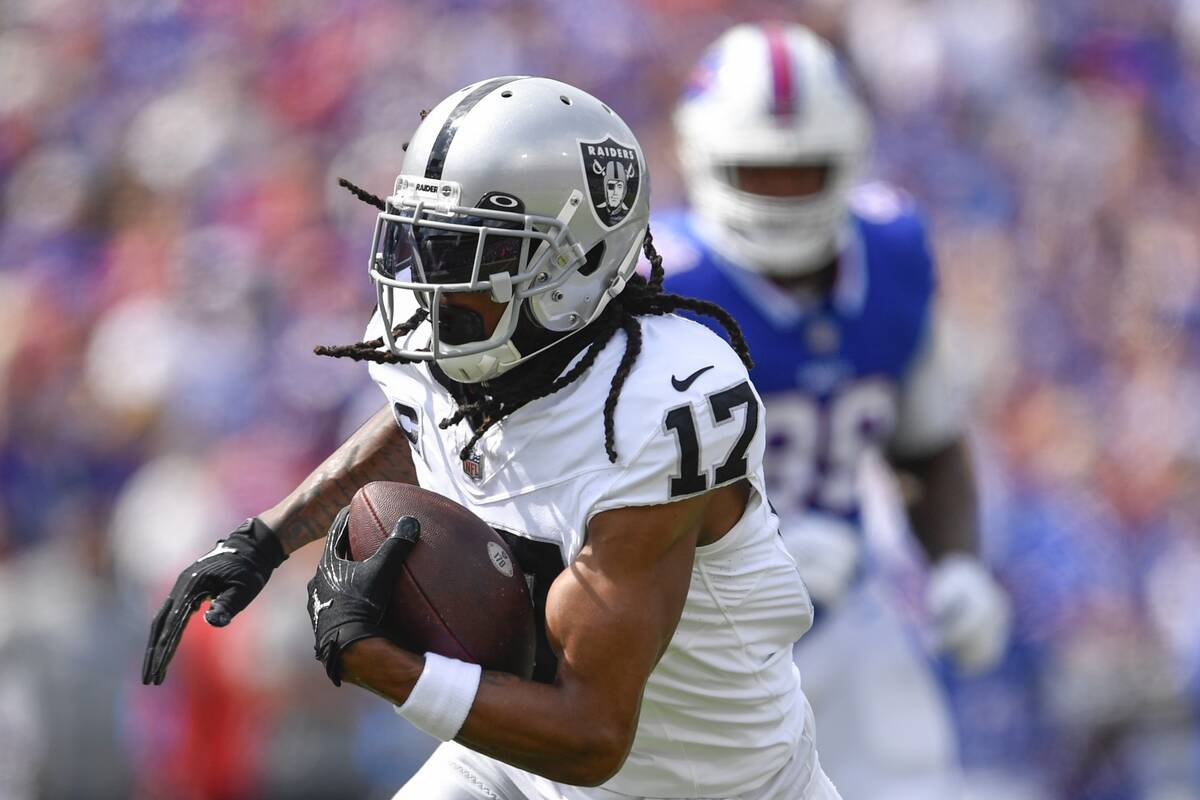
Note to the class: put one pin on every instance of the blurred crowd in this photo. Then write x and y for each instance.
(173, 244)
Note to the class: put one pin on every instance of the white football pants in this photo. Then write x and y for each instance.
(884, 729)
(455, 772)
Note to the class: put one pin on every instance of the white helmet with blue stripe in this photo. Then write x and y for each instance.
(764, 96)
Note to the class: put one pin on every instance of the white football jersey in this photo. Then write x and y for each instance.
(723, 710)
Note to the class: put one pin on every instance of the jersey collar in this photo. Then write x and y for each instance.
(784, 309)
(850, 290)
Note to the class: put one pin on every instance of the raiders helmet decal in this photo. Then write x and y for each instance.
(614, 177)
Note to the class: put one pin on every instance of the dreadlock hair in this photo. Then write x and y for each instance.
(539, 377)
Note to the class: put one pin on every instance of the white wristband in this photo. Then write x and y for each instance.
(441, 699)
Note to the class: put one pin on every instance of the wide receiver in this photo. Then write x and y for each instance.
(833, 286)
(534, 377)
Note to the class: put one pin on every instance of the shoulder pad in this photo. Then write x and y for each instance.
(895, 237)
(688, 418)
(881, 203)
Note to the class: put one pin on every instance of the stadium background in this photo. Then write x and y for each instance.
(172, 245)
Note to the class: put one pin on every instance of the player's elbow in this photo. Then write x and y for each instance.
(602, 750)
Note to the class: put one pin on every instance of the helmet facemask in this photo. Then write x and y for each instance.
(427, 243)
(771, 96)
(776, 234)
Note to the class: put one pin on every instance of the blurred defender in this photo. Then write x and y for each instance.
(833, 286)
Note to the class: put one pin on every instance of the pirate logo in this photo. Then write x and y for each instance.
(613, 178)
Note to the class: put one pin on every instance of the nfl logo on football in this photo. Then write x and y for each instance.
(473, 465)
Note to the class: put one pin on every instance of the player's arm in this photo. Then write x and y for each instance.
(929, 451)
(236, 569)
(377, 451)
(942, 502)
(969, 610)
(609, 616)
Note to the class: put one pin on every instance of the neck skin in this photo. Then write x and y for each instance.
(528, 338)
(542, 368)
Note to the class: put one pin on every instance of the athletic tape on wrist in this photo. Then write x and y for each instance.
(442, 697)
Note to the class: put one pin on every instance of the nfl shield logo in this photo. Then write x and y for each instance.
(614, 176)
(473, 465)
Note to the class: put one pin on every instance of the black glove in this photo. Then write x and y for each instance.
(233, 572)
(346, 599)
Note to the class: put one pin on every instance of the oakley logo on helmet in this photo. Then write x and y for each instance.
(502, 201)
(613, 178)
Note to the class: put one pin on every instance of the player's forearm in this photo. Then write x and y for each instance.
(944, 511)
(377, 451)
(552, 730)
(558, 731)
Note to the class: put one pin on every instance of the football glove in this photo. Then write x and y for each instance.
(346, 598)
(970, 610)
(827, 553)
(232, 573)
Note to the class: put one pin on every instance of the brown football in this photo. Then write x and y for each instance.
(460, 593)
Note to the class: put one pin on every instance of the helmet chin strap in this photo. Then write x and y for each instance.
(479, 367)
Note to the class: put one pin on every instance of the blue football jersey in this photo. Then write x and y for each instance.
(829, 370)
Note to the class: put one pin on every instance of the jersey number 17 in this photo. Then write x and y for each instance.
(681, 420)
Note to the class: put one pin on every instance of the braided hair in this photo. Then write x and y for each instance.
(539, 376)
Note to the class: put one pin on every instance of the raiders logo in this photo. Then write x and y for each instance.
(614, 177)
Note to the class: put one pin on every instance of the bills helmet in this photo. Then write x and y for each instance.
(770, 95)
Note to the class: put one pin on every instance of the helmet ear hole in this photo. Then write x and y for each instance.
(592, 259)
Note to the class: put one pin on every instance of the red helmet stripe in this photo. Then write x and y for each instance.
(782, 93)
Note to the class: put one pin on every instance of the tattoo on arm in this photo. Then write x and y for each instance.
(377, 451)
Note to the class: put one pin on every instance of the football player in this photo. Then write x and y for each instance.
(534, 377)
(833, 286)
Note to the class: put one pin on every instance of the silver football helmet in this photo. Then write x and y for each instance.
(526, 188)
(770, 95)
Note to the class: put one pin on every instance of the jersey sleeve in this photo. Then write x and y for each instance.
(932, 402)
(706, 435)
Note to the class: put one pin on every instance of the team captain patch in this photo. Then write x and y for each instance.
(613, 178)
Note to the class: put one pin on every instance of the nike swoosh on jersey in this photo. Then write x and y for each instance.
(682, 385)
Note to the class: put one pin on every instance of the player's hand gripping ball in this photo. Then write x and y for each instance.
(346, 598)
(408, 564)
